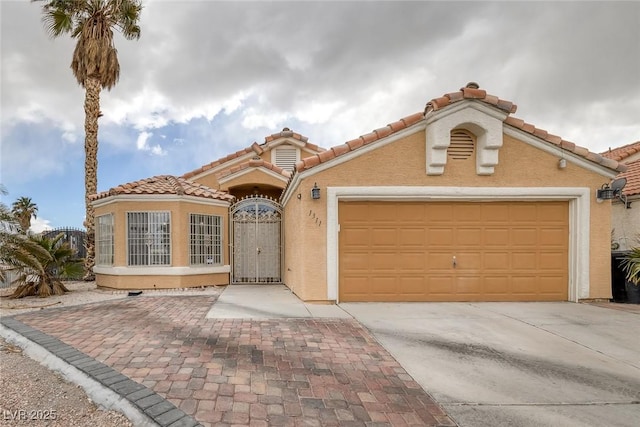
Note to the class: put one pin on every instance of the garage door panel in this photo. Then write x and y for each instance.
(384, 213)
(496, 236)
(466, 213)
(384, 236)
(497, 261)
(494, 213)
(403, 251)
(439, 212)
(469, 285)
(408, 214)
(354, 261)
(496, 285)
(552, 261)
(384, 285)
(440, 261)
(382, 261)
(412, 237)
(356, 237)
(440, 236)
(466, 261)
(524, 236)
(411, 261)
(441, 285)
(524, 260)
(469, 237)
(553, 237)
(523, 212)
(412, 285)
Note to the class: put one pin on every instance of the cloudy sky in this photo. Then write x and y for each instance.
(208, 78)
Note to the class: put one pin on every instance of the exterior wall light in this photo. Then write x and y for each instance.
(315, 192)
(604, 193)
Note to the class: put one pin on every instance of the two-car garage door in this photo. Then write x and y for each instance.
(453, 251)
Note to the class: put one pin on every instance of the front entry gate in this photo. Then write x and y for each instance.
(256, 237)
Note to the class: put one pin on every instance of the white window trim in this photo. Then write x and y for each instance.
(579, 220)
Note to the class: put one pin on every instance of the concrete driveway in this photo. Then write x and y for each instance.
(516, 364)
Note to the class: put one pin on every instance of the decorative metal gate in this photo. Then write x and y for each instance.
(256, 240)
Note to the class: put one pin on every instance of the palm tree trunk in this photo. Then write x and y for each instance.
(92, 112)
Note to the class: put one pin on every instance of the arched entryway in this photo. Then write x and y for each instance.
(256, 240)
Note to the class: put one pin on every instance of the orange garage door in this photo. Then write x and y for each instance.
(453, 251)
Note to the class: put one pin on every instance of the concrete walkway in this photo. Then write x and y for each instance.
(268, 302)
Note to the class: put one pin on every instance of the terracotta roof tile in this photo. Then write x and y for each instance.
(473, 92)
(355, 143)
(633, 179)
(621, 153)
(286, 133)
(567, 145)
(256, 147)
(165, 184)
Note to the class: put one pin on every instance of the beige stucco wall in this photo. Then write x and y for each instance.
(180, 211)
(625, 225)
(257, 177)
(402, 163)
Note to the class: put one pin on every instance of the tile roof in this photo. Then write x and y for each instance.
(256, 148)
(166, 184)
(633, 179)
(633, 167)
(621, 153)
(470, 92)
(254, 163)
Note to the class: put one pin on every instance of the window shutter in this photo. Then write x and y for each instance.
(461, 145)
(286, 158)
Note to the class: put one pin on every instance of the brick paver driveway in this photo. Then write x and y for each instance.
(290, 372)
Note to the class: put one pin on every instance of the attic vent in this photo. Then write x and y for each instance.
(286, 158)
(461, 146)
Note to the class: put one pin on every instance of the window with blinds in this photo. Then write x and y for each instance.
(104, 240)
(286, 157)
(149, 238)
(461, 146)
(205, 239)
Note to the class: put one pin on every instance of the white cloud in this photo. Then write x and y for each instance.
(38, 225)
(142, 143)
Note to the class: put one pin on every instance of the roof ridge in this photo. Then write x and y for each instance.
(165, 184)
(621, 153)
(471, 91)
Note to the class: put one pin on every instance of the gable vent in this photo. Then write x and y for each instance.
(286, 158)
(461, 146)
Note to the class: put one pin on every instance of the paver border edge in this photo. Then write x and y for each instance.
(100, 394)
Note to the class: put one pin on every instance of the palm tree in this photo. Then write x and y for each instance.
(95, 66)
(23, 209)
(41, 270)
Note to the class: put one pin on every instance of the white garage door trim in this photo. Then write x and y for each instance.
(579, 211)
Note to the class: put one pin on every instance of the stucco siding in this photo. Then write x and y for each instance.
(180, 230)
(402, 163)
(626, 225)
